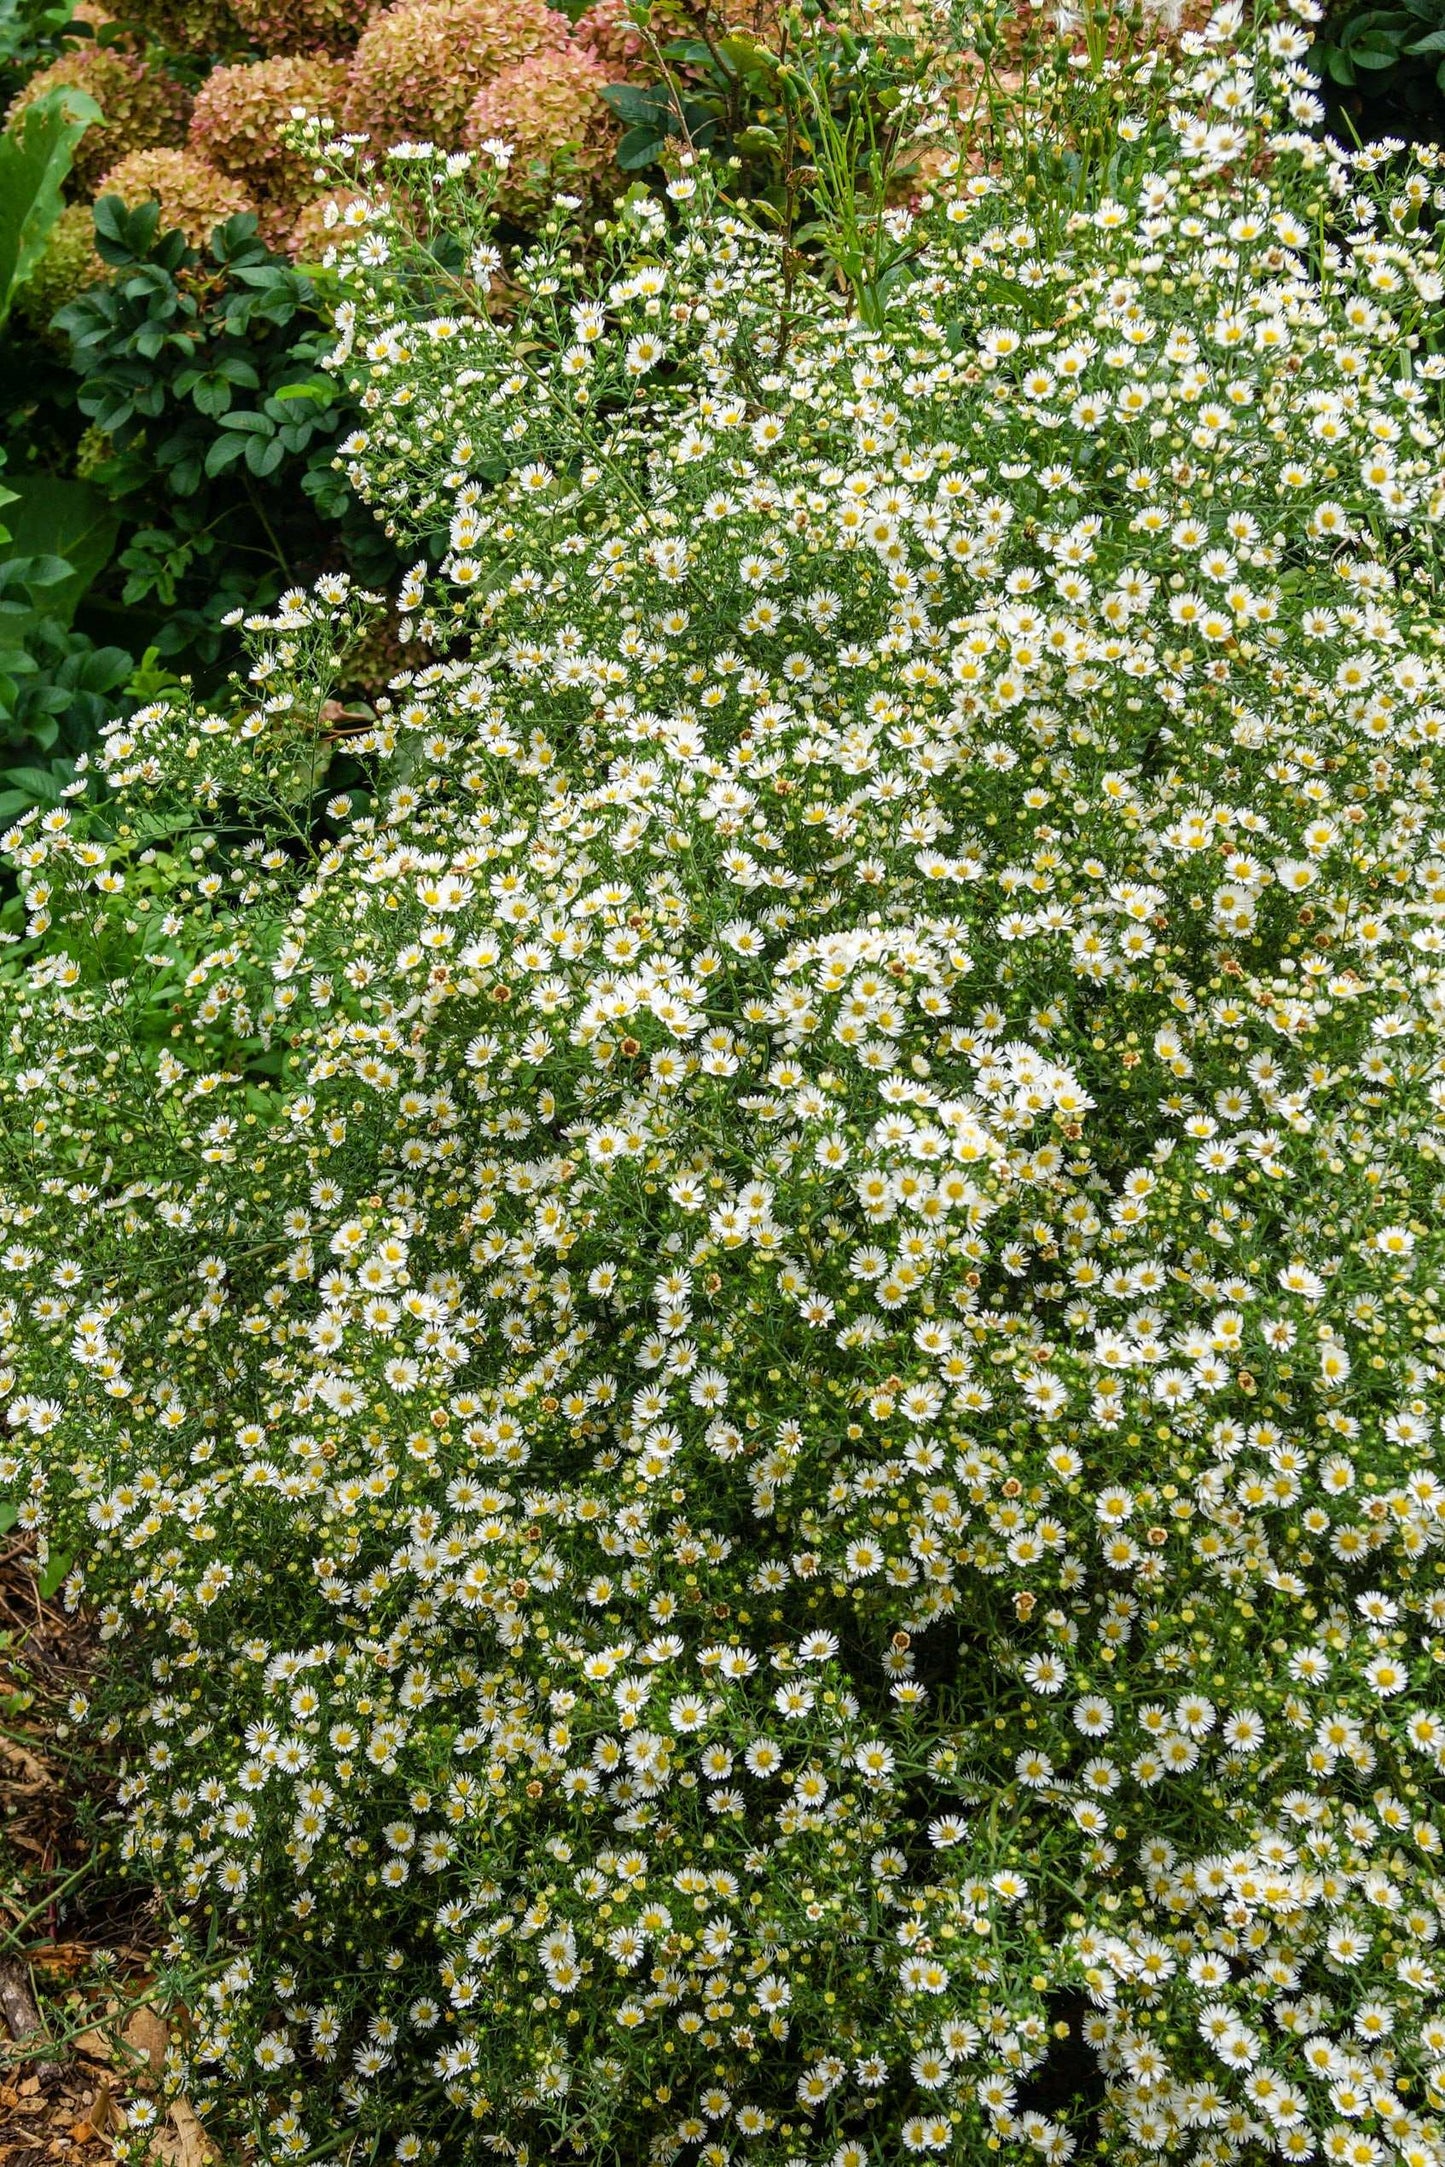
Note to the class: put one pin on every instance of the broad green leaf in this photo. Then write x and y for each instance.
(223, 452)
(62, 520)
(263, 458)
(38, 568)
(38, 784)
(319, 388)
(640, 147)
(638, 104)
(35, 157)
(747, 55)
(211, 395)
(54, 1572)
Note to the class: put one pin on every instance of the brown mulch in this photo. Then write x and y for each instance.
(80, 2041)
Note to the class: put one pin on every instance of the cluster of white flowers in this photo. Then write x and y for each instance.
(751, 1379)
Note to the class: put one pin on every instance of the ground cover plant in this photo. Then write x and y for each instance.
(746, 1371)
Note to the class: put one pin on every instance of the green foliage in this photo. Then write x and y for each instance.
(60, 518)
(35, 157)
(201, 369)
(30, 35)
(56, 687)
(1383, 68)
(215, 484)
(725, 91)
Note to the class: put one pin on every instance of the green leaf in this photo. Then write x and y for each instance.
(55, 1571)
(39, 569)
(211, 397)
(223, 452)
(747, 55)
(38, 784)
(67, 522)
(637, 104)
(123, 236)
(319, 388)
(640, 147)
(35, 157)
(263, 458)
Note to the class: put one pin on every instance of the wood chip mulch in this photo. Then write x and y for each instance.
(79, 2039)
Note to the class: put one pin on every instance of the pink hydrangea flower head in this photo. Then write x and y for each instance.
(607, 32)
(421, 63)
(301, 26)
(186, 26)
(550, 109)
(240, 120)
(143, 106)
(191, 194)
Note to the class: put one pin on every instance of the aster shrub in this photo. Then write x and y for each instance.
(747, 1371)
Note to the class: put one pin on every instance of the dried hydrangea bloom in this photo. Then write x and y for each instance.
(550, 109)
(70, 264)
(188, 26)
(143, 106)
(240, 119)
(420, 64)
(192, 195)
(606, 31)
(301, 26)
